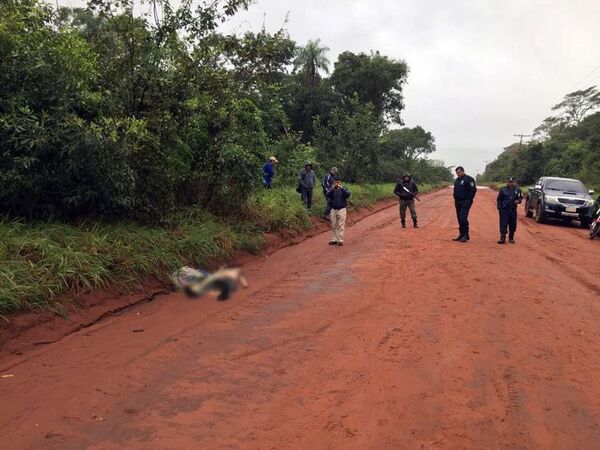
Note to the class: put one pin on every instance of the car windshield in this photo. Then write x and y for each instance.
(566, 186)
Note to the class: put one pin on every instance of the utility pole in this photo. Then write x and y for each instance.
(521, 140)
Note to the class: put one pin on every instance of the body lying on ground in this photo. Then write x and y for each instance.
(196, 283)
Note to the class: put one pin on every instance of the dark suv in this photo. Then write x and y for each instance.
(559, 198)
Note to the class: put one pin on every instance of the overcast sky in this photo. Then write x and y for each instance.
(480, 70)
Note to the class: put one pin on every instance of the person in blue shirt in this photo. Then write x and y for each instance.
(464, 193)
(508, 199)
(269, 172)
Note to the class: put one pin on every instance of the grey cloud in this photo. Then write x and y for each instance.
(481, 70)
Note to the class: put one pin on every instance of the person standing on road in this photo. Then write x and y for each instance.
(338, 199)
(508, 199)
(407, 191)
(269, 171)
(328, 184)
(464, 193)
(307, 179)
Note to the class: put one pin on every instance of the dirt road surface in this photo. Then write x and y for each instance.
(399, 339)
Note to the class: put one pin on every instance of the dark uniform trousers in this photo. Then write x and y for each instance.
(462, 215)
(307, 197)
(508, 220)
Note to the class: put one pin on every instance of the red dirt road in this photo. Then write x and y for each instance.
(400, 339)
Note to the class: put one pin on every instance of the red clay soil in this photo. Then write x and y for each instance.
(28, 330)
(399, 339)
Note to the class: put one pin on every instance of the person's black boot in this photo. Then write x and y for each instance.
(403, 224)
(502, 239)
(415, 225)
(511, 239)
(458, 238)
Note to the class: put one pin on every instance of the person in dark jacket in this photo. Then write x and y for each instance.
(307, 179)
(407, 191)
(269, 171)
(338, 199)
(328, 184)
(464, 193)
(508, 199)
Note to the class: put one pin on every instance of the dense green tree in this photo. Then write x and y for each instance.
(408, 143)
(350, 142)
(566, 145)
(577, 105)
(402, 151)
(304, 104)
(375, 79)
(107, 112)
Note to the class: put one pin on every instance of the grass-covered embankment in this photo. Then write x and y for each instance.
(40, 261)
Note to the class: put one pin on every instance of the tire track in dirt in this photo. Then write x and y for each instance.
(399, 339)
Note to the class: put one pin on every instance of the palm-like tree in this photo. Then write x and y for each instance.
(310, 59)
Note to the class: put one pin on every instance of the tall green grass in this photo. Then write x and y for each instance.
(40, 262)
(281, 208)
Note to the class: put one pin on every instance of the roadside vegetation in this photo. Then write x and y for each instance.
(40, 262)
(566, 144)
(132, 139)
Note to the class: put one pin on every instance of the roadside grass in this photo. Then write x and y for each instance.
(41, 262)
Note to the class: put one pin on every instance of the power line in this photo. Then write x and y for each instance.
(590, 72)
(593, 80)
(579, 82)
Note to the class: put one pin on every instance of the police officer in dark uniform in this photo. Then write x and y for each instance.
(464, 193)
(508, 199)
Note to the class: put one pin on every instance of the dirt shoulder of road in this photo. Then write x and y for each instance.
(402, 338)
(30, 330)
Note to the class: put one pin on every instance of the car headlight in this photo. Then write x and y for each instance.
(551, 199)
(589, 203)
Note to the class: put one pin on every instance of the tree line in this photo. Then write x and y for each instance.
(105, 111)
(566, 144)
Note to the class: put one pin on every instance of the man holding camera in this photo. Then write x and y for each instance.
(337, 196)
(328, 184)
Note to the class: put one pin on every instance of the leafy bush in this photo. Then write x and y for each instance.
(42, 260)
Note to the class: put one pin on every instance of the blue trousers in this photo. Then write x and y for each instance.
(462, 215)
(508, 221)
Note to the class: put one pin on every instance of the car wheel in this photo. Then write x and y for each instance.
(528, 212)
(585, 223)
(539, 215)
(594, 230)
